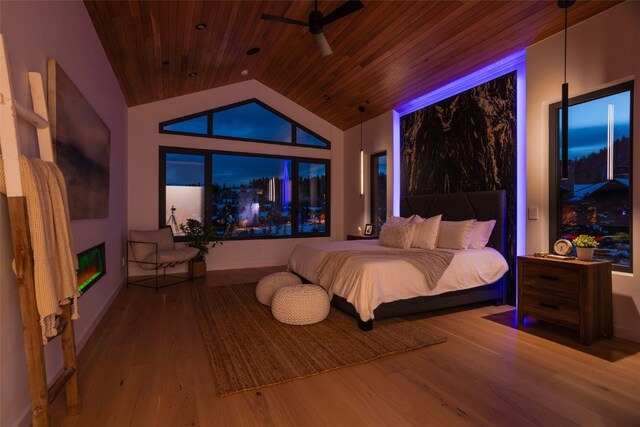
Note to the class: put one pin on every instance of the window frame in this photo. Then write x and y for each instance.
(373, 173)
(211, 134)
(208, 187)
(555, 165)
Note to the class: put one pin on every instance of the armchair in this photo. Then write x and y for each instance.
(155, 250)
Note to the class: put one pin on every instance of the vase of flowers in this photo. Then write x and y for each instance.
(201, 237)
(585, 245)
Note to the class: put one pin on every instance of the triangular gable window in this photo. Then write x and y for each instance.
(305, 138)
(247, 121)
(192, 126)
(251, 121)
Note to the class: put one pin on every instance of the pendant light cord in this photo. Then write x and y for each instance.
(362, 110)
(361, 113)
(566, 11)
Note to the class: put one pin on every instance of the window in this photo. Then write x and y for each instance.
(248, 121)
(247, 196)
(307, 138)
(378, 190)
(251, 121)
(184, 189)
(191, 126)
(312, 197)
(252, 194)
(595, 199)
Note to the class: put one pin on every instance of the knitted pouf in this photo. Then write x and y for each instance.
(300, 304)
(268, 285)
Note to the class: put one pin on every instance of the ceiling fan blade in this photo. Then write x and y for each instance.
(323, 44)
(343, 10)
(283, 20)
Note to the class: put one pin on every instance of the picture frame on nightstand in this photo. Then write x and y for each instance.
(368, 229)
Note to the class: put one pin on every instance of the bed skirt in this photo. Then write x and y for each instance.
(494, 293)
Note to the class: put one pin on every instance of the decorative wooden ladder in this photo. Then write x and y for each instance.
(10, 110)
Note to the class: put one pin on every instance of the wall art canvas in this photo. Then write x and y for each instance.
(82, 145)
(466, 142)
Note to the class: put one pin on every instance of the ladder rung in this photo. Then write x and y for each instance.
(31, 116)
(60, 382)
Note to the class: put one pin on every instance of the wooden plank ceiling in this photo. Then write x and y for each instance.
(387, 53)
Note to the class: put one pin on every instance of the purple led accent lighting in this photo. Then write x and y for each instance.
(521, 158)
(514, 62)
(497, 69)
(395, 168)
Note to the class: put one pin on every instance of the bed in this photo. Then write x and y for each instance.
(374, 285)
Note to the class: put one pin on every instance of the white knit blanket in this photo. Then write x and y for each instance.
(54, 256)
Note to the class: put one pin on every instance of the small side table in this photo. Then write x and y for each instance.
(571, 293)
(361, 237)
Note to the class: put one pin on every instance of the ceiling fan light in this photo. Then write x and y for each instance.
(323, 44)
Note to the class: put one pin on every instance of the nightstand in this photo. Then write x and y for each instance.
(571, 293)
(361, 237)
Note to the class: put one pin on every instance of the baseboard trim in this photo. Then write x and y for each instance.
(627, 334)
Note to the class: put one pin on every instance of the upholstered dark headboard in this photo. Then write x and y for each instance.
(480, 205)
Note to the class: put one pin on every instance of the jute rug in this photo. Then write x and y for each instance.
(249, 349)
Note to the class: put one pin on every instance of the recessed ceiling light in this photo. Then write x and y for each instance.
(327, 97)
(201, 26)
(253, 51)
(244, 72)
(192, 74)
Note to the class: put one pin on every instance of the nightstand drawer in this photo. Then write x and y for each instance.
(547, 307)
(554, 280)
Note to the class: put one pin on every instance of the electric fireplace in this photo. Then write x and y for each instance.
(91, 267)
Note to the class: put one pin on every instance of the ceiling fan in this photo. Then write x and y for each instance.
(317, 21)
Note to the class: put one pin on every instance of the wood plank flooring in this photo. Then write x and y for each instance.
(145, 365)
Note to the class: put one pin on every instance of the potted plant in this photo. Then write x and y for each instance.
(201, 237)
(585, 246)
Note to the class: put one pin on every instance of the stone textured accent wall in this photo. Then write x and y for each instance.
(465, 143)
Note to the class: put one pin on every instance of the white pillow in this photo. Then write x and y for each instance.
(455, 234)
(481, 234)
(425, 234)
(398, 220)
(396, 235)
(416, 218)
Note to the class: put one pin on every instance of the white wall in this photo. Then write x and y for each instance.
(144, 141)
(35, 31)
(377, 136)
(601, 51)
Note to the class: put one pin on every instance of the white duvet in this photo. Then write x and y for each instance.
(367, 283)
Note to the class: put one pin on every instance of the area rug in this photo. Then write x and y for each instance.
(249, 349)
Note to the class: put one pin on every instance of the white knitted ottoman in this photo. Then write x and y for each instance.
(268, 285)
(300, 304)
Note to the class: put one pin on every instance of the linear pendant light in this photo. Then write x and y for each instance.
(565, 4)
(361, 109)
(610, 153)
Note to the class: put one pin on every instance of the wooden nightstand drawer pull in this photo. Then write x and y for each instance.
(551, 306)
(544, 276)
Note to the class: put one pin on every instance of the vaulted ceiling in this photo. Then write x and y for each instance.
(384, 55)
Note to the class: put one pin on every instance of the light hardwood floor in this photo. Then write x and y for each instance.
(145, 365)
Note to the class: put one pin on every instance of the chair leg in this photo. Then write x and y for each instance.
(127, 265)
